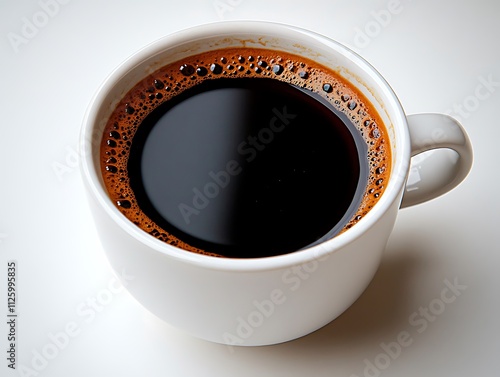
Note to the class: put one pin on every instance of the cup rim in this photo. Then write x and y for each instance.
(91, 173)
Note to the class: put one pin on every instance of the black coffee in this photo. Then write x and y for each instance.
(248, 168)
(247, 156)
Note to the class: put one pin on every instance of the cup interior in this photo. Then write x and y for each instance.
(266, 35)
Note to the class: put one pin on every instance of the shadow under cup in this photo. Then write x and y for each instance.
(220, 291)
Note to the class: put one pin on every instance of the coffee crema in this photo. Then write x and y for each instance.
(244, 153)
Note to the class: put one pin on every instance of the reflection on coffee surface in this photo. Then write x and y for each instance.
(244, 153)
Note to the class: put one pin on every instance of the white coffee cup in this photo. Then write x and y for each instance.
(264, 301)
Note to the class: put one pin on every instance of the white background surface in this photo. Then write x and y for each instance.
(436, 55)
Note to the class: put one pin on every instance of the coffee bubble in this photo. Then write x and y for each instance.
(216, 68)
(201, 71)
(327, 87)
(114, 134)
(158, 84)
(303, 75)
(278, 69)
(111, 168)
(186, 69)
(124, 203)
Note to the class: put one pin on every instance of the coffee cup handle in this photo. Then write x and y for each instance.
(434, 170)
